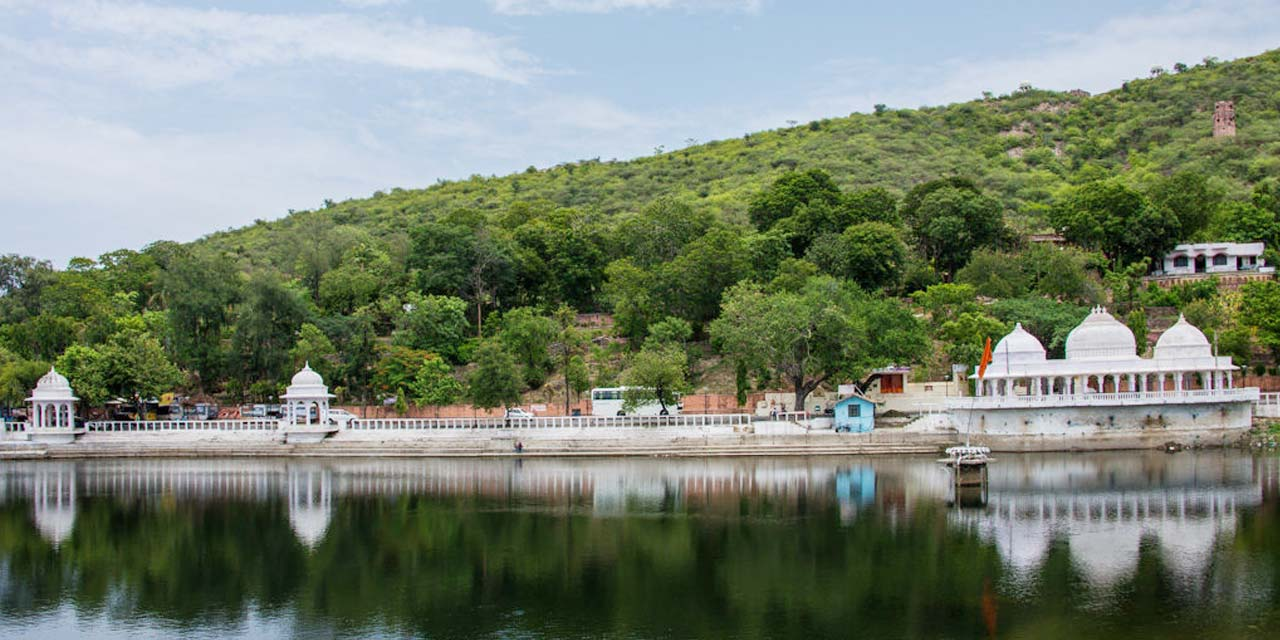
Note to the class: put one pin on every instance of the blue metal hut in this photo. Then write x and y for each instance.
(855, 414)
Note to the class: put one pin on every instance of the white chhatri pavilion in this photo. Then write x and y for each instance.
(1105, 383)
(306, 407)
(1102, 358)
(53, 409)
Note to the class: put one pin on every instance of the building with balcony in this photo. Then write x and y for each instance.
(1215, 257)
(1104, 387)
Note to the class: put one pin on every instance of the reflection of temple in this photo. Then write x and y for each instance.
(1104, 507)
(51, 487)
(1101, 505)
(310, 503)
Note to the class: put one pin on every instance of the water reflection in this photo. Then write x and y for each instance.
(1184, 545)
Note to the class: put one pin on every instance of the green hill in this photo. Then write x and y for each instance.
(794, 243)
(1022, 148)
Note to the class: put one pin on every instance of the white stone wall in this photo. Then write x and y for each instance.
(1089, 421)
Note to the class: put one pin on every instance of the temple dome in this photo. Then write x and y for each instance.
(307, 384)
(52, 386)
(307, 377)
(1101, 337)
(1018, 347)
(1183, 340)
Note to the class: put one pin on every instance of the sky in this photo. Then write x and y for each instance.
(123, 122)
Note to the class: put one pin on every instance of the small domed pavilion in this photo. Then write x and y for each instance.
(53, 404)
(307, 399)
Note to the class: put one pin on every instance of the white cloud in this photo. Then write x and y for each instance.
(160, 46)
(538, 7)
(368, 4)
(1096, 60)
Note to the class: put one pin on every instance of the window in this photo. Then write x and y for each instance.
(1180, 262)
(855, 411)
(1220, 260)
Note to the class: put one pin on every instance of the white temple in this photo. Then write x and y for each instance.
(306, 407)
(53, 409)
(1104, 385)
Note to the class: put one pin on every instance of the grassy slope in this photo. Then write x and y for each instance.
(1151, 125)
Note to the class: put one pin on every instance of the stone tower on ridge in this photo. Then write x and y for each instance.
(1224, 119)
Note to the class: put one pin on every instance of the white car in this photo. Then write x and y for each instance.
(517, 412)
(342, 418)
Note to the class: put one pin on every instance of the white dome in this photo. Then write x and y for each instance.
(306, 377)
(307, 384)
(1183, 340)
(1101, 337)
(1018, 347)
(52, 386)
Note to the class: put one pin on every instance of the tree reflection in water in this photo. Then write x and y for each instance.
(1099, 545)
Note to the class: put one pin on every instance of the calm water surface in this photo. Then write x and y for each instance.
(1060, 546)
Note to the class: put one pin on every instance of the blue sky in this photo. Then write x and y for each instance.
(128, 121)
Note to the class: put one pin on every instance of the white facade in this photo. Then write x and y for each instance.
(306, 401)
(1103, 385)
(53, 410)
(1215, 257)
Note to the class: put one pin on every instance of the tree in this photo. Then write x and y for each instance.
(1108, 216)
(397, 368)
(658, 232)
(1049, 321)
(1247, 222)
(86, 370)
(872, 205)
(655, 374)
(1187, 197)
(1137, 323)
(674, 332)
(810, 336)
(357, 281)
(789, 193)
(18, 376)
(199, 288)
(495, 382)
(265, 328)
(433, 323)
(629, 290)
(528, 337)
(966, 336)
(995, 275)
(1260, 309)
(433, 384)
(314, 347)
(576, 376)
(874, 255)
(945, 302)
(951, 222)
(568, 343)
(694, 282)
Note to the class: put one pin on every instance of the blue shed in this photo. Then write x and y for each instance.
(855, 414)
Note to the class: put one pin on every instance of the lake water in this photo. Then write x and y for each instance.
(1123, 545)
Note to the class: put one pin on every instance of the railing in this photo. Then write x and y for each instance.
(130, 426)
(1085, 399)
(565, 422)
(793, 416)
(1267, 405)
(14, 427)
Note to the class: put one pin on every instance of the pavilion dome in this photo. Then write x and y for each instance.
(52, 386)
(307, 384)
(1018, 347)
(1183, 340)
(1101, 337)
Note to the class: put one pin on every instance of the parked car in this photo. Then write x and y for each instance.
(517, 412)
(342, 418)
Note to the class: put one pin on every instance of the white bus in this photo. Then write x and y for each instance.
(608, 401)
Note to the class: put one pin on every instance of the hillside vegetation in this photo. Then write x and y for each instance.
(795, 258)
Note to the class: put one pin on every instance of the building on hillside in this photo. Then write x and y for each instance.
(1103, 387)
(1215, 257)
(892, 390)
(855, 414)
(1224, 119)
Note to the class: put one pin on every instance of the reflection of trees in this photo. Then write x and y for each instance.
(472, 564)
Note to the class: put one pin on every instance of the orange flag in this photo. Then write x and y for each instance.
(986, 360)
